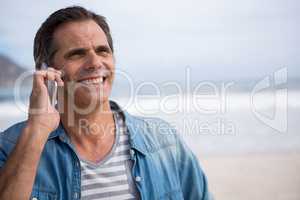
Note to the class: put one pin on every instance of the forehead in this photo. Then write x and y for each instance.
(79, 34)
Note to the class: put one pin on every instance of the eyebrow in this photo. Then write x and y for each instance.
(82, 50)
(103, 47)
(73, 51)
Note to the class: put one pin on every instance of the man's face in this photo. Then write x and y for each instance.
(87, 62)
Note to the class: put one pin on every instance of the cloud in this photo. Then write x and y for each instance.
(247, 38)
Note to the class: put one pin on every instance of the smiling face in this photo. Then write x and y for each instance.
(84, 55)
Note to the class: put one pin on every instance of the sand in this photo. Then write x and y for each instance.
(267, 176)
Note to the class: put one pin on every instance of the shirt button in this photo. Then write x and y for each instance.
(132, 152)
(76, 195)
(34, 198)
(138, 179)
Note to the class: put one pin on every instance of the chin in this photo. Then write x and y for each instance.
(89, 101)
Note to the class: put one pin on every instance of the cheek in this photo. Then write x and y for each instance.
(69, 75)
(113, 72)
(110, 62)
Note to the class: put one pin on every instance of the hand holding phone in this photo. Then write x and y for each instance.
(51, 86)
(42, 114)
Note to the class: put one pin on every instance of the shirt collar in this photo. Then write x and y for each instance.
(56, 132)
(134, 125)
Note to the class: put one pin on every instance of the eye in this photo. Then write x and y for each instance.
(103, 50)
(78, 53)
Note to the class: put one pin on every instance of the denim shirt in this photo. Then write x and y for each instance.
(163, 166)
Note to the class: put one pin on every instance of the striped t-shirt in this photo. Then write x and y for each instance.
(111, 178)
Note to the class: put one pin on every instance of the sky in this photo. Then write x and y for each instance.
(158, 40)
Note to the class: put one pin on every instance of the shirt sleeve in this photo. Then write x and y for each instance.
(2, 155)
(2, 158)
(192, 178)
(5, 147)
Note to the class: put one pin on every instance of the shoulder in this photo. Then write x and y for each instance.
(152, 122)
(154, 132)
(152, 125)
(12, 133)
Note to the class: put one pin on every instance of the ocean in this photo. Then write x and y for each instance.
(231, 124)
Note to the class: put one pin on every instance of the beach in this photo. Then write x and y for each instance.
(243, 157)
(265, 176)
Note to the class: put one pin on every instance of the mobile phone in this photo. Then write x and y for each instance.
(51, 86)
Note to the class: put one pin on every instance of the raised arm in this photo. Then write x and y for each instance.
(18, 168)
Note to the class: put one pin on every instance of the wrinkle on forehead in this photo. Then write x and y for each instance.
(81, 34)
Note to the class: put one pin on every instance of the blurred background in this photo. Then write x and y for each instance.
(225, 73)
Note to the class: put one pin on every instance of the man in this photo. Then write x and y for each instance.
(87, 147)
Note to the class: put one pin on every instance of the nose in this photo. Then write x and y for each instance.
(94, 61)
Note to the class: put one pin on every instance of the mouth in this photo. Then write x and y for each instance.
(93, 80)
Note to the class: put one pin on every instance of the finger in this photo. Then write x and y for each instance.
(62, 71)
(41, 72)
(59, 72)
(58, 76)
(51, 75)
(59, 80)
(39, 77)
(54, 70)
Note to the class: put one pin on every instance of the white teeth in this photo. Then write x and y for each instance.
(93, 81)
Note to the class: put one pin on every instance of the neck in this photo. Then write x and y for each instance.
(89, 131)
